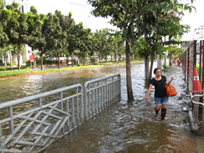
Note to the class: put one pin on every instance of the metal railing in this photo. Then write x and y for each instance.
(32, 123)
(197, 113)
(100, 93)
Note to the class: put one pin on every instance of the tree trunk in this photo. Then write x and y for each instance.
(11, 63)
(19, 56)
(2, 55)
(146, 59)
(106, 58)
(128, 73)
(72, 60)
(67, 59)
(84, 61)
(59, 64)
(170, 61)
(111, 58)
(159, 62)
(99, 57)
(87, 60)
(92, 61)
(151, 67)
(116, 60)
(5, 62)
(41, 57)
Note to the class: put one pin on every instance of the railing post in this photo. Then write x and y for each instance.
(11, 128)
(40, 102)
(81, 105)
(203, 121)
(77, 106)
(61, 97)
(85, 101)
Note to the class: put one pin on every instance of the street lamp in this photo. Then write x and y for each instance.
(84, 11)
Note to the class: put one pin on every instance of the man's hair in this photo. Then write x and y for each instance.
(155, 70)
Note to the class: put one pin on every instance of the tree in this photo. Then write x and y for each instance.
(67, 24)
(17, 29)
(100, 42)
(85, 43)
(4, 17)
(174, 51)
(152, 19)
(73, 39)
(123, 15)
(36, 33)
(56, 39)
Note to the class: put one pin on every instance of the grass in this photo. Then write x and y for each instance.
(64, 69)
(28, 71)
(14, 72)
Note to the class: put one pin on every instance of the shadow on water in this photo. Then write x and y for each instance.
(123, 127)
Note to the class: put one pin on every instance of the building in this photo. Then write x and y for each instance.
(24, 6)
(198, 33)
(184, 1)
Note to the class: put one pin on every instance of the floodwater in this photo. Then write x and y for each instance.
(122, 128)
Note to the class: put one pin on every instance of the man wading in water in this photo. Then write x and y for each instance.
(160, 96)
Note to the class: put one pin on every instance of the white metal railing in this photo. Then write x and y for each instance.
(100, 93)
(198, 112)
(32, 123)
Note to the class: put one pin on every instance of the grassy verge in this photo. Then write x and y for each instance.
(63, 69)
(28, 71)
(14, 72)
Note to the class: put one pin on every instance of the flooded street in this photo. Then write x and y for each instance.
(123, 127)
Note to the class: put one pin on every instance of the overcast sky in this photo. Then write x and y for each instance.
(79, 7)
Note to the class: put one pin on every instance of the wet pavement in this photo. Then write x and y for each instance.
(124, 127)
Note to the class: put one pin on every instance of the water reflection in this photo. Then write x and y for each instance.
(123, 127)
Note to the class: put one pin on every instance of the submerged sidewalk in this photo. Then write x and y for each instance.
(131, 127)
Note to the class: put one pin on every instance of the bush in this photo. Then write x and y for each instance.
(165, 67)
(3, 69)
(14, 68)
(97, 63)
(14, 72)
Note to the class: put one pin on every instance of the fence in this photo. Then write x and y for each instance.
(193, 58)
(32, 123)
(99, 93)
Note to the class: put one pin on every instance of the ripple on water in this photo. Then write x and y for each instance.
(123, 127)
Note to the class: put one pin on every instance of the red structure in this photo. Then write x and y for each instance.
(196, 82)
(193, 65)
(32, 58)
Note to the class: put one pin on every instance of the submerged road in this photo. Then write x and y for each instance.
(123, 127)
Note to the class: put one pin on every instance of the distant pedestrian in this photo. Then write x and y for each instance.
(160, 96)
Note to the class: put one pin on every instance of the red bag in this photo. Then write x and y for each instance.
(170, 90)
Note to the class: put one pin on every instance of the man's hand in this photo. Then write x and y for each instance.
(147, 98)
(172, 78)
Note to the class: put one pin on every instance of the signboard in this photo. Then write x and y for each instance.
(32, 58)
(49, 58)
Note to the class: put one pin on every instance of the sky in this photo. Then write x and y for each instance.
(81, 13)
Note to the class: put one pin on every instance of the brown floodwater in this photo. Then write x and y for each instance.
(122, 128)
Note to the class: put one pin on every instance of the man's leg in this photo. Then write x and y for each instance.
(163, 111)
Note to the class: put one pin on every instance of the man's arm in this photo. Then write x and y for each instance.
(147, 97)
(169, 81)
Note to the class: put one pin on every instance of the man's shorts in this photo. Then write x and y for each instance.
(160, 101)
